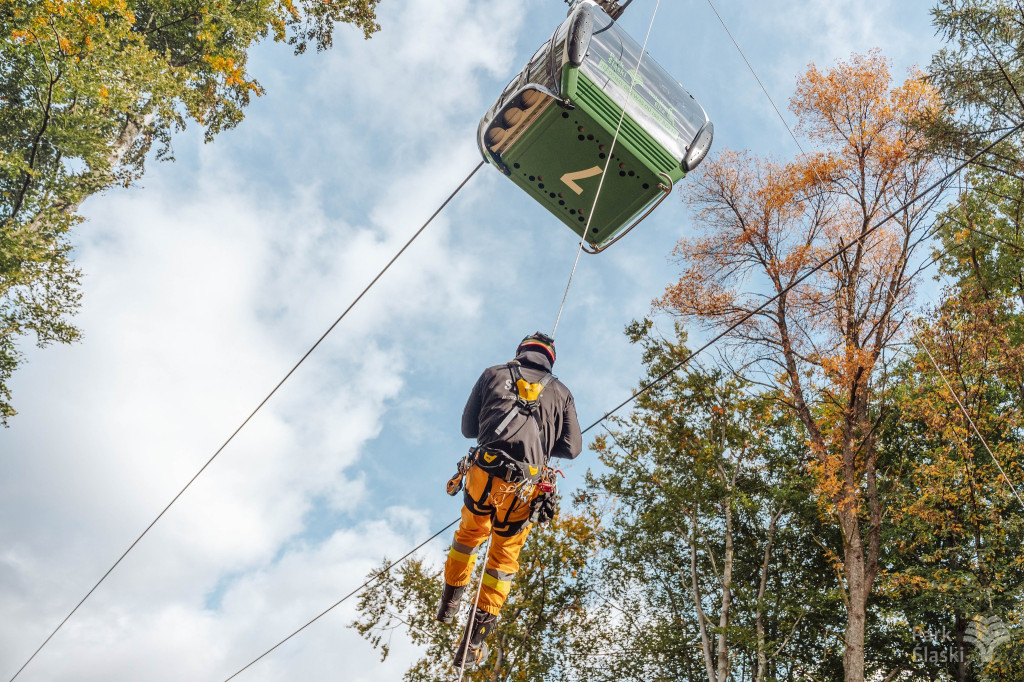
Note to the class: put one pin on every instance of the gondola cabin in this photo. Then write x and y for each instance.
(552, 128)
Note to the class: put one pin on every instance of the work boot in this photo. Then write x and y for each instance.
(451, 597)
(475, 652)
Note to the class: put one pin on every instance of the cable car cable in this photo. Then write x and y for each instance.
(608, 162)
(913, 326)
(804, 276)
(253, 413)
(685, 361)
(323, 613)
(754, 73)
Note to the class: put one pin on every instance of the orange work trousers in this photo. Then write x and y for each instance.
(493, 508)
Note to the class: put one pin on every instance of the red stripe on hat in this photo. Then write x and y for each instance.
(543, 346)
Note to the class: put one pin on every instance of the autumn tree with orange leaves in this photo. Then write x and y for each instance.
(956, 523)
(767, 226)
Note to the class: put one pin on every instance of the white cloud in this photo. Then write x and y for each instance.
(200, 294)
(204, 287)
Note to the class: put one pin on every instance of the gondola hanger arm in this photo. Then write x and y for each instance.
(612, 8)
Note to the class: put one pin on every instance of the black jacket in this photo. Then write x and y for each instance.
(554, 433)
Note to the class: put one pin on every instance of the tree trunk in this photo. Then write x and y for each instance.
(723, 618)
(761, 671)
(858, 588)
(133, 128)
(961, 668)
(705, 640)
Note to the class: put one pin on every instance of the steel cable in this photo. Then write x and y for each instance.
(338, 603)
(253, 413)
(694, 354)
(843, 249)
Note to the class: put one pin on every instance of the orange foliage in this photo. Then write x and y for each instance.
(767, 225)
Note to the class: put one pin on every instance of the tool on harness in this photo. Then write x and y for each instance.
(500, 465)
(503, 466)
(455, 483)
(527, 396)
(544, 507)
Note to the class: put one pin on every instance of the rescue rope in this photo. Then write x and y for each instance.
(607, 164)
(472, 611)
(648, 386)
(253, 413)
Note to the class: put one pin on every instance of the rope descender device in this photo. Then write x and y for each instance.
(455, 483)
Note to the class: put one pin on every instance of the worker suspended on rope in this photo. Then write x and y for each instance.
(521, 416)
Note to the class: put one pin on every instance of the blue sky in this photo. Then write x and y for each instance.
(208, 280)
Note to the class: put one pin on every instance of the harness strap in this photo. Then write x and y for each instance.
(527, 396)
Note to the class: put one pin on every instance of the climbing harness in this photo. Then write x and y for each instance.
(527, 396)
(522, 477)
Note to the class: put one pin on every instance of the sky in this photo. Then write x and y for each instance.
(208, 280)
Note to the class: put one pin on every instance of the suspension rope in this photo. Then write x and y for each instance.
(691, 356)
(472, 612)
(754, 73)
(252, 414)
(607, 164)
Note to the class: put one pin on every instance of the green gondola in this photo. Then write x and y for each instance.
(552, 127)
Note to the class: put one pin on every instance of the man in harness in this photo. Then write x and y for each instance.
(521, 416)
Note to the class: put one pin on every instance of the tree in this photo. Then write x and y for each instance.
(709, 555)
(544, 613)
(87, 87)
(822, 342)
(981, 78)
(957, 524)
(981, 238)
